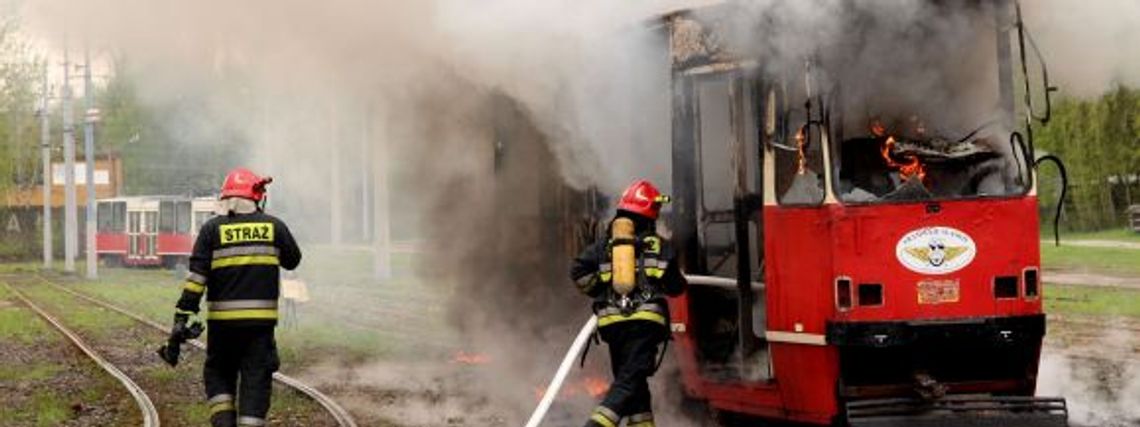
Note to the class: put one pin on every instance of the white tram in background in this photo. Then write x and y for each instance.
(149, 230)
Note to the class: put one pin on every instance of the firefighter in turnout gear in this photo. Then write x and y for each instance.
(628, 273)
(235, 264)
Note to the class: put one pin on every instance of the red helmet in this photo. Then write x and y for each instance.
(642, 198)
(242, 182)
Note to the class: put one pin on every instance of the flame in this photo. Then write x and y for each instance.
(465, 358)
(912, 168)
(800, 142)
(593, 386)
(878, 129)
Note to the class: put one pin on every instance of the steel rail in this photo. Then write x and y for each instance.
(342, 417)
(146, 406)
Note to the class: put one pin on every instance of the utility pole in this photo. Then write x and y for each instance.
(336, 203)
(89, 155)
(70, 220)
(45, 149)
(365, 178)
(381, 226)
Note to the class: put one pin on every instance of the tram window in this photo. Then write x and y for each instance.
(119, 217)
(715, 146)
(166, 217)
(111, 217)
(182, 217)
(151, 231)
(799, 159)
(151, 222)
(105, 214)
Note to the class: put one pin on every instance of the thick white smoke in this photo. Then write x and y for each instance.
(330, 95)
(355, 105)
(1088, 45)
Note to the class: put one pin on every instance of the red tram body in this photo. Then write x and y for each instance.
(143, 231)
(827, 286)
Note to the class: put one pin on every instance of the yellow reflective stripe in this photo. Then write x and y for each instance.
(186, 312)
(654, 272)
(601, 419)
(221, 407)
(605, 276)
(194, 287)
(244, 260)
(639, 315)
(242, 314)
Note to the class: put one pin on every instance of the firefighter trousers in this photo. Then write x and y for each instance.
(240, 362)
(634, 346)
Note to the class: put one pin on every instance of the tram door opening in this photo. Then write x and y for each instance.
(729, 320)
(142, 234)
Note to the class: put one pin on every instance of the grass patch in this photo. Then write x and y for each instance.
(17, 323)
(351, 314)
(1114, 234)
(1090, 300)
(1091, 259)
(200, 414)
(162, 374)
(77, 314)
(49, 409)
(36, 372)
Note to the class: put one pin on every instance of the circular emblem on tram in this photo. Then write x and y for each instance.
(936, 250)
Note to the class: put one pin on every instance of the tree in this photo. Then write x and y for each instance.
(19, 138)
(1099, 140)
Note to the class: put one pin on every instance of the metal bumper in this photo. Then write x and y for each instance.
(960, 411)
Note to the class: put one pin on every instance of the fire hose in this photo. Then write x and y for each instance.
(563, 370)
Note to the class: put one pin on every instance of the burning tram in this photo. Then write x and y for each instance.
(858, 219)
(143, 231)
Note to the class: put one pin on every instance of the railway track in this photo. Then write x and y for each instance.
(339, 414)
(146, 407)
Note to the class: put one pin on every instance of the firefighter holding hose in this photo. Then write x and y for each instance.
(235, 264)
(628, 273)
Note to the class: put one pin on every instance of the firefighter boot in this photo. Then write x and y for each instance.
(224, 419)
(603, 417)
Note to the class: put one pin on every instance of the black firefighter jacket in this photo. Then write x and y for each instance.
(235, 264)
(657, 275)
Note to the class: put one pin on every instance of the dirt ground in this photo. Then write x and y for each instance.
(45, 381)
(1094, 362)
(1089, 359)
(177, 392)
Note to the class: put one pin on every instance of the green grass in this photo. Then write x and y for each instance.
(1090, 300)
(351, 315)
(1114, 234)
(34, 372)
(152, 293)
(136, 290)
(50, 409)
(1117, 261)
(200, 414)
(17, 323)
(76, 314)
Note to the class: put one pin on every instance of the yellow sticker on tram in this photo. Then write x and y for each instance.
(246, 232)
